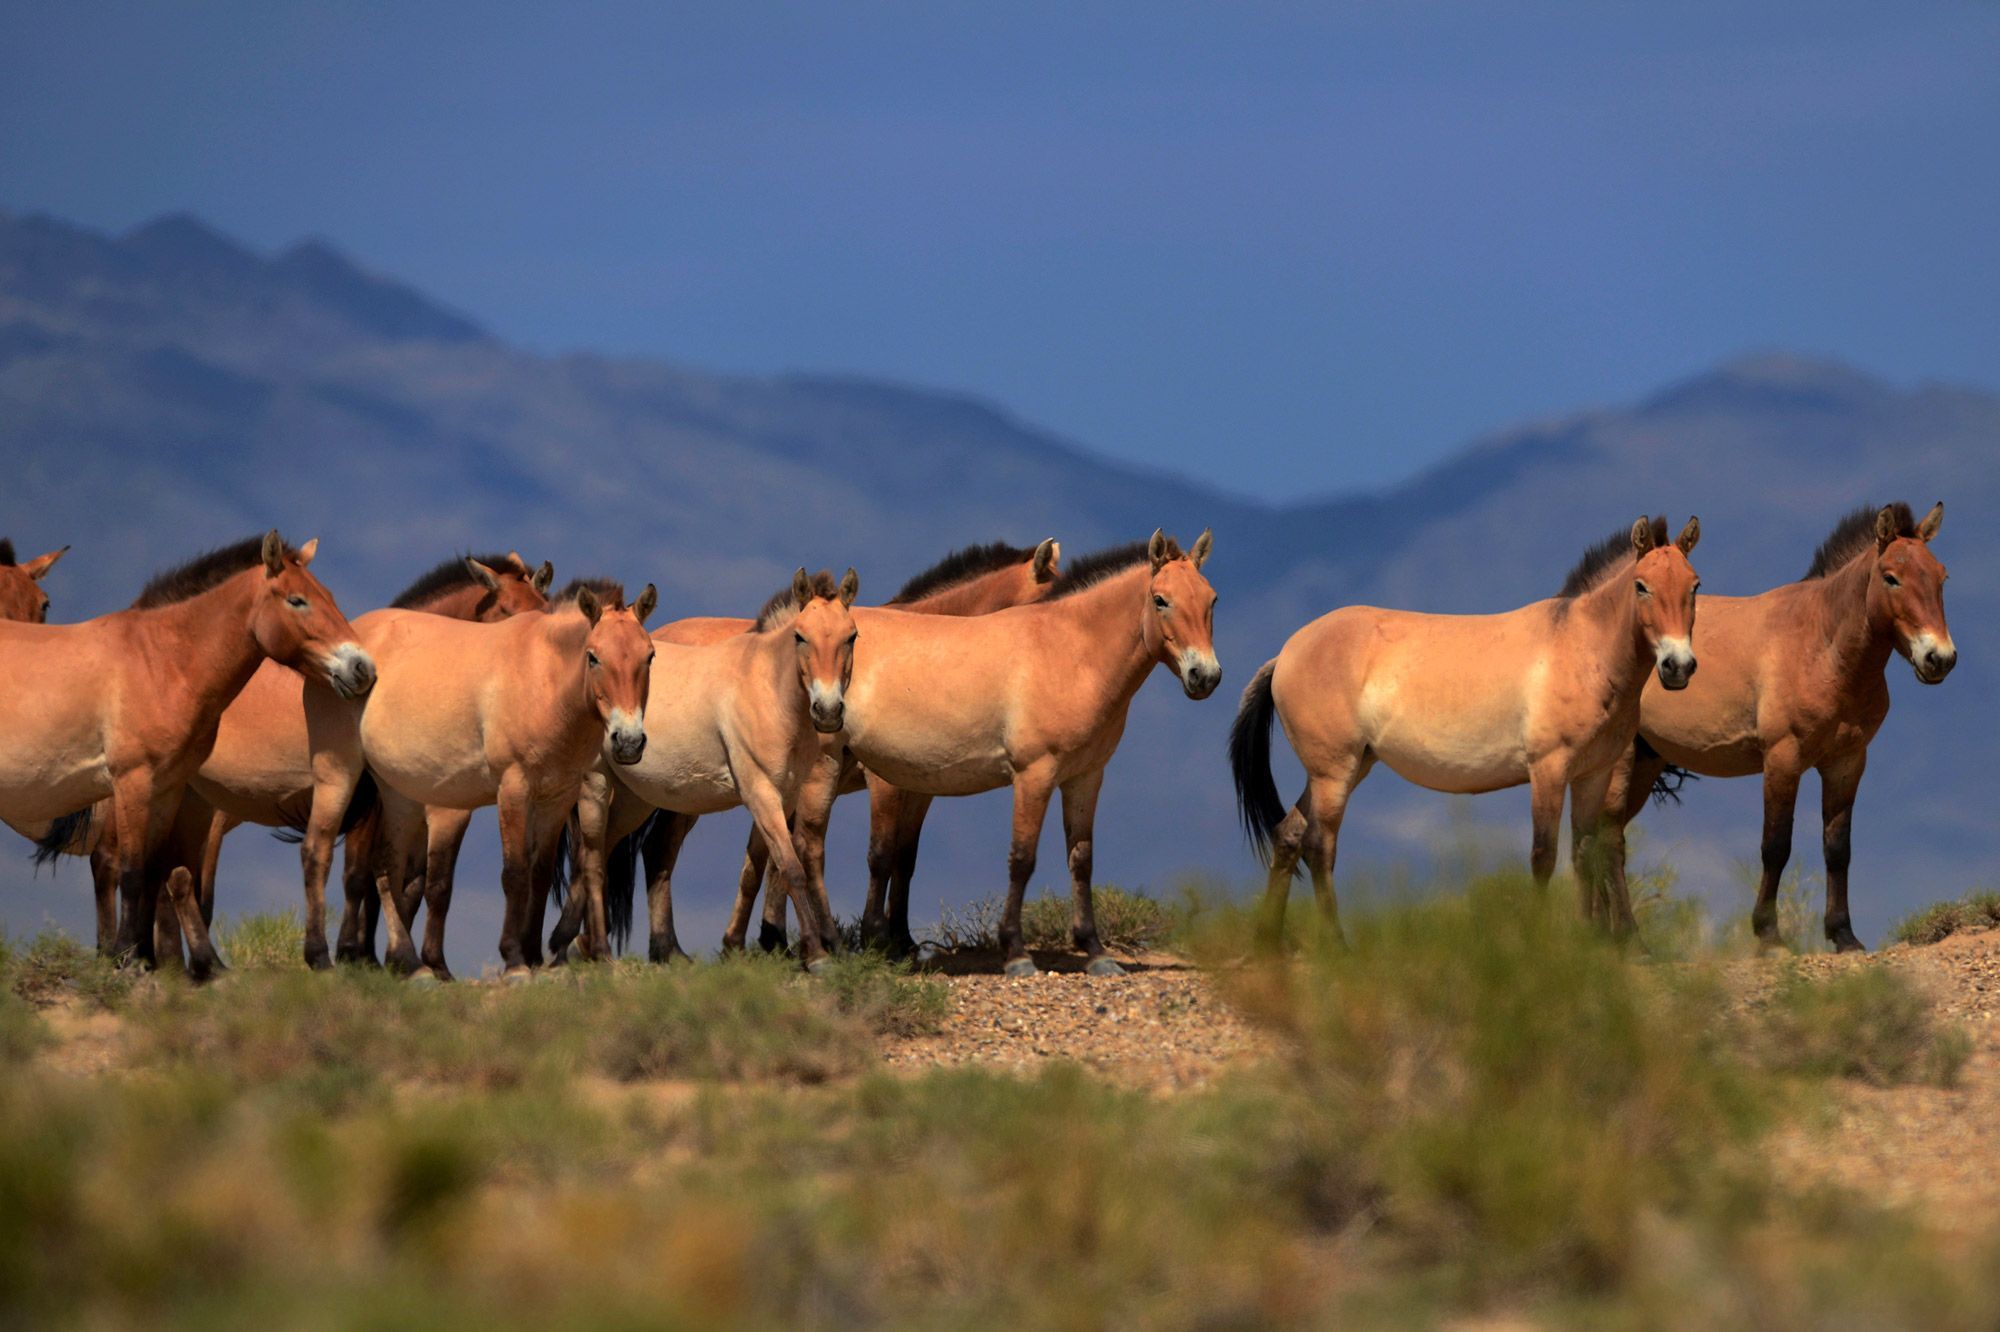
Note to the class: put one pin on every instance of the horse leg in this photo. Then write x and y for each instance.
(1033, 789)
(444, 834)
(134, 805)
(202, 961)
(545, 824)
(1327, 796)
(401, 819)
(1286, 843)
(590, 845)
(104, 884)
(515, 873)
(909, 831)
(1781, 795)
(1547, 785)
(361, 905)
(748, 881)
(885, 804)
(415, 854)
(767, 807)
(661, 851)
(1598, 853)
(1839, 780)
(220, 825)
(1079, 811)
(772, 935)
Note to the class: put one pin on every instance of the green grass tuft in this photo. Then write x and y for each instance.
(1941, 920)
(55, 967)
(262, 941)
(1868, 1023)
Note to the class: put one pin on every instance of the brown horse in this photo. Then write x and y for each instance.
(975, 580)
(21, 596)
(1794, 679)
(260, 767)
(742, 724)
(1547, 695)
(1034, 697)
(512, 713)
(127, 705)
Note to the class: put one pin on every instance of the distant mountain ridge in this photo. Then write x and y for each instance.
(171, 389)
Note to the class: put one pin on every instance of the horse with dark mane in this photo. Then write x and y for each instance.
(1547, 695)
(21, 596)
(1794, 679)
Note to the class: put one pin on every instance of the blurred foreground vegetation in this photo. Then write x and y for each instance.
(1480, 1109)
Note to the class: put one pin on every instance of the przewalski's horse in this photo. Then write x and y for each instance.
(742, 723)
(260, 767)
(1547, 695)
(1794, 679)
(21, 596)
(127, 705)
(512, 713)
(1034, 697)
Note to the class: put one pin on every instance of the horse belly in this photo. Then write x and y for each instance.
(455, 776)
(35, 792)
(940, 774)
(1461, 745)
(682, 782)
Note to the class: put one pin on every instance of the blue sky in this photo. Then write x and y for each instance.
(1284, 248)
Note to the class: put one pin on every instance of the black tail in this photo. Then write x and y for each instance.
(565, 866)
(1667, 786)
(65, 837)
(359, 806)
(1257, 801)
(621, 880)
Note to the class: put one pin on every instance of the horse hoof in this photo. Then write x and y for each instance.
(819, 966)
(925, 955)
(1847, 943)
(1102, 966)
(517, 976)
(424, 978)
(1020, 969)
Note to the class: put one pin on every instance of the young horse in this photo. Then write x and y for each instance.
(513, 713)
(1794, 679)
(742, 724)
(21, 597)
(127, 705)
(1033, 697)
(260, 768)
(1547, 695)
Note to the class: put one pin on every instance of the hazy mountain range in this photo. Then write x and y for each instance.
(169, 390)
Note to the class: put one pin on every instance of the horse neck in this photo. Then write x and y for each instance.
(977, 596)
(1856, 643)
(1607, 620)
(1108, 618)
(205, 642)
(560, 636)
(775, 667)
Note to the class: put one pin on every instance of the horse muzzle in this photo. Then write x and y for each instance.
(1676, 663)
(1200, 673)
(350, 671)
(627, 741)
(828, 708)
(1931, 659)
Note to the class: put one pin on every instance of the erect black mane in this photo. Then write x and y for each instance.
(960, 566)
(609, 590)
(783, 606)
(7, 551)
(203, 572)
(1606, 555)
(1856, 532)
(1097, 566)
(448, 576)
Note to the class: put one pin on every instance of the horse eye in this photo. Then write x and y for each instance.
(1892, 580)
(1644, 591)
(296, 603)
(799, 638)
(1160, 603)
(590, 657)
(851, 637)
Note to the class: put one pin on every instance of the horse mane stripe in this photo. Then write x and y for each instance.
(7, 552)
(448, 576)
(961, 566)
(609, 590)
(1598, 562)
(203, 573)
(783, 607)
(1856, 532)
(1096, 567)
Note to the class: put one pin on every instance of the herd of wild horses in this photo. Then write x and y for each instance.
(234, 690)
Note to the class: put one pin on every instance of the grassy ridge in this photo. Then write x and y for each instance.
(1481, 1108)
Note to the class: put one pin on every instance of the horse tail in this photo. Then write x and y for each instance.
(65, 837)
(1257, 800)
(1667, 786)
(621, 880)
(565, 860)
(360, 805)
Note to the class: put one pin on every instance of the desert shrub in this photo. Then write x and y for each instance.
(1941, 920)
(885, 996)
(1127, 922)
(55, 966)
(744, 1017)
(973, 927)
(262, 941)
(1867, 1023)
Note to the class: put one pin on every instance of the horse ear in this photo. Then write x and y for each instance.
(850, 587)
(1689, 535)
(482, 575)
(1156, 549)
(543, 577)
(307, 551)
(1046, 556)
(1926, 529)
(587, 602)
(644, 605)
(41, 564)
(519, 565)
(1198, 553)
(802, 588)
(1642, 535)
(274, 553)
(1885, 528)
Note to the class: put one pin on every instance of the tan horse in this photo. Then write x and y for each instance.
(21, 596)
(1034, 697)
(1791, 680)
(975, 580)
(742, 723)
(260, 768)
(127, 705)
(512, 713)
(1547, 695)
